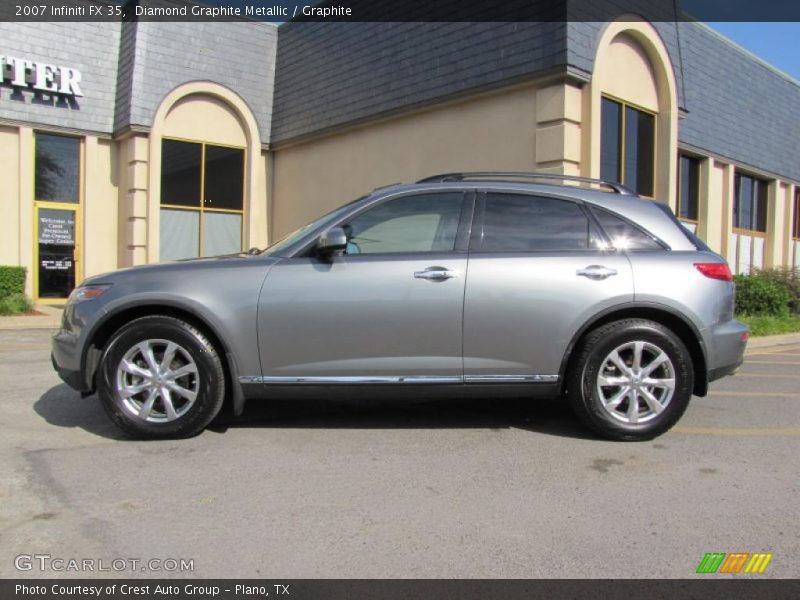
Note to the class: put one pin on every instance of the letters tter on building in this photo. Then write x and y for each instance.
(40, 76)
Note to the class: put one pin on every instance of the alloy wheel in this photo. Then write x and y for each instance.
(157, 381)
(636, 382)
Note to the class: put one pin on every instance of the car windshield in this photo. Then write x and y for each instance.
(281, 245)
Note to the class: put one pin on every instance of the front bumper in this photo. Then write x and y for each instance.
(66, 359)
(68, 376)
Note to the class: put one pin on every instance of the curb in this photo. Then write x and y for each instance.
(50, 319)
(766, 341)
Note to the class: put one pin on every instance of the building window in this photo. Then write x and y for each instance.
(202, 199)
(688, 188)
(57, 173)
(628, 146)
(796, 213)
(750, 203)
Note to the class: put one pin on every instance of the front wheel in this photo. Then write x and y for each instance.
(631, 380)
(161, 378)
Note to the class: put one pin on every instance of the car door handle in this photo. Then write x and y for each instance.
(596, 272)
(436, 274)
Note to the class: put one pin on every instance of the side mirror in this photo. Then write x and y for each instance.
(332, 240)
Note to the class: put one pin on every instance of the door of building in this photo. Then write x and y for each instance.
(57, 217)
(57, 251)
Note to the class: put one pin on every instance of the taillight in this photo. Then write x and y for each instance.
(719, 271)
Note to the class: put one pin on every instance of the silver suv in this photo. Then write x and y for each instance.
(488, 284)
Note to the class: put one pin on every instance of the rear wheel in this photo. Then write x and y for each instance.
(631, 380)
(160, 378)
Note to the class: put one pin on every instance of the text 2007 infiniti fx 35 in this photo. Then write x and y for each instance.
(484, 284)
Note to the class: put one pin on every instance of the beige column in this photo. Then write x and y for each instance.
(9, 197)
(269, 177)
(258, 202)
(712, 204)
(776, 226)
(100, 202)
(726, 218)
(26, 193)
(133, 216)
(558, 129)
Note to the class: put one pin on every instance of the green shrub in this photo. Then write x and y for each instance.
(789, 279)
(15, 304)
(12, 281)
(757, 294)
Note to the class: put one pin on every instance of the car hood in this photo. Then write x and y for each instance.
(178, 267)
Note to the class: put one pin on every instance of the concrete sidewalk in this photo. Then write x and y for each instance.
(49, 319)
(766, 341)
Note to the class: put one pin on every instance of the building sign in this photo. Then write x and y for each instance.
(56, 227)
(40, 76)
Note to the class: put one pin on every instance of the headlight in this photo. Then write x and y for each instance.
(87, 292)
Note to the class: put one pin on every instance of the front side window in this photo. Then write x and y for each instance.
(522, 223)
(421, 223)
(750, 203)
(796, 213)
(688, 188)
(627, 146)
(202, 199)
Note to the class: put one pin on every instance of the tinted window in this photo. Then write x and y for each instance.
(796, 222)
(688, 188)
(610, 146)
(624, 235)
(423, 223)
(224, 177)
(750, 203)
(180, 173)
(521, 223)
(57, 160)
(627, 146)
(639, 150)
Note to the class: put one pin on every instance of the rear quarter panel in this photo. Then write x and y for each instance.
(670, 279)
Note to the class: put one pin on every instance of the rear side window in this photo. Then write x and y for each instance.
(624, 235)
(522, 223)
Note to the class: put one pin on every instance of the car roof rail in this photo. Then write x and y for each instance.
(484, 175)
(388, 185)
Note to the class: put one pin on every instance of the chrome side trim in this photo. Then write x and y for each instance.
(406, 379)
(352, 379)
(510, 378)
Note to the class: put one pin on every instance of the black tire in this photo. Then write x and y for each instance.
(584, 391)
(188, 416)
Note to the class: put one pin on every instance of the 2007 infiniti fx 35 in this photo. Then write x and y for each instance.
(484, 284)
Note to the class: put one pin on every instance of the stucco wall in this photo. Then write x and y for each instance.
(497, 131)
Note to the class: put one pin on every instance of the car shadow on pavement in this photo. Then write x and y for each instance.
(64, 407)
(551, 417)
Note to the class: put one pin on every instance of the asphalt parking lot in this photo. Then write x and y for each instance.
(473, 489)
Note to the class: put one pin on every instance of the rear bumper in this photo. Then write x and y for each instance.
(728, 343)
